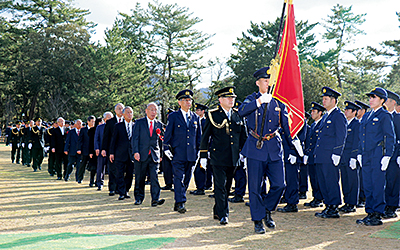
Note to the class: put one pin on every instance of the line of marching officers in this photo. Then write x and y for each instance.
(358, 148)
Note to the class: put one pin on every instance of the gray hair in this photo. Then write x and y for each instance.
(152, 103)
(116, 105)
(108, 113)
(127, 107)
(60, 118)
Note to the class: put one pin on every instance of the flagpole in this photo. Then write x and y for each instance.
(260, 142)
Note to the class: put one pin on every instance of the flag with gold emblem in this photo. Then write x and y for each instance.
(286, 76)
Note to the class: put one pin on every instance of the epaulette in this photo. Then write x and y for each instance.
(213, 110)
(48, 131)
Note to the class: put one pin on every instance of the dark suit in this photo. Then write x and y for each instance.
(105, 145)
(121, 148)
(15, 141)
(149, 149)
(83, 146)
(26, 139)
(58, 143)
(101, 161)
(71, 146)
(52, 156)
(226, 145)
(184, 142)
(37, 140)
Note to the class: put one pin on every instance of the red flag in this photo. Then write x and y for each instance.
(288, 88)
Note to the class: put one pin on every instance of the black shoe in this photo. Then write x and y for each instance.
(302, 195)
(331, 212)
(321, 214)
(157, 203)
(112, 193)
(99, 188)
(247, 204)
(40, 168)
(268, 220)
(283, 200)
(216, 217)
(167, 187)
(59, 178)
(347, 208)
(127, 196)
(314, 203)
(198, 192)
(51, 174)
(180, 207)
(79, 182)
(35, 170)
(211, 196)
(121, 197)
(364, 220)
(138, 202)
(91, 185)
(289, 208)
(375, 220)
(208, 188)
(236, 199)
(223, 221)
(147, 182)
(259, 227)
(390, 212)
(361, 204)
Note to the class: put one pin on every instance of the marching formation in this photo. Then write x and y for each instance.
(354, 154)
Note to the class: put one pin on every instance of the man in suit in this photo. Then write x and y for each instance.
(15, 142)
(200, 172)
(105, 145)
(25, 140)
(58, 138)
(121, 153)
(101, 160)
(328, 151)
(228, 134)
(52, 156)
(348, 161)
(146, 149)
(317, 110)
(392, 188)
(181, 144)
(71, 149)
(263, 150)
(37, 144)
(83, 148)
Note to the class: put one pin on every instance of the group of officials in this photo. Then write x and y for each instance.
(360, 148)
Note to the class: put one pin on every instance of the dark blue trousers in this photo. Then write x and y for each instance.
(200, 176)
(275, 174)
(182, 171)
(73, 160)
(328, 182)
(209, 174)
(124, 176)
(303, 181)
(101, 170)
(392, 190)
(167, 170)
(292, 183)
(350, 184)
(316, 191)
(240, 181)
(141, 170)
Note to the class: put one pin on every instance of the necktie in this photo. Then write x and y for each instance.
(151, 128)
(371, 114)
(229, 115)
(78, 132)
(187, 119)
(129, 131)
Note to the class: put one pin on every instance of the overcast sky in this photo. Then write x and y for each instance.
(228, 19)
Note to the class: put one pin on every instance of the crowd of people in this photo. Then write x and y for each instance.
(247, 142)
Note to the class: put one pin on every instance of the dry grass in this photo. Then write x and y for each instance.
(35, 202)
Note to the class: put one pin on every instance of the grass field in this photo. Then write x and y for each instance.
(39, 212)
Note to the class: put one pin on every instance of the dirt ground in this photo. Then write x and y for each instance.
(35, 202)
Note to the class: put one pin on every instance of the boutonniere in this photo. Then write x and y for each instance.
(158, 132)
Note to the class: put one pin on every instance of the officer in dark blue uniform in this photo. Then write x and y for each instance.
(348, 161)
(392, 188)
(376, 147)
(167, 166)
(317, 110)
(303, 173)
(264, 157)
(181, 144)
(328, 151)
(200, 172)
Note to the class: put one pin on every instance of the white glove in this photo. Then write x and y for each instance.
(209, 155)
(23, 145)
(47, 148)
(241, 157)
(265, 98)
(292, 159)
(385, 162)
(353, 163)
(336, 160)
(30, 145)
(168, 154)
(203, 163)
(245, 163)
(359, 159)
(297, 144)
(10, 144)
(305, 159)
(17, 145)
(398, 161)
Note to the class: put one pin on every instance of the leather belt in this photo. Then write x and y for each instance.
(266, 137)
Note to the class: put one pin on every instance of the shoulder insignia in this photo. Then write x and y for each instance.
(213, 110)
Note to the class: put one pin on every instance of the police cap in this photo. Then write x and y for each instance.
(226, 92)
(380, 92)
(186, 93)
(362, 105)
(351, 105)
(326, 91)
(393, 96)
(317, 106)
(200, 106)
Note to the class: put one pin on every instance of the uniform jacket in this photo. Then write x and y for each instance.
(26, 135)
(121, 146)
(227, 140)
(276, 117)
(377, 132)
(288, 147)
(37, 137)
(16, 136)
(331, 136)
(311, 141)
(396, 124)
(183, 141)
(351, 145)
(83, 141)
(142, 143)
(71, 142)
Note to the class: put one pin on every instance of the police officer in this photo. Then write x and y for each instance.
(328, 151)
(392, 188)
(317, 111)
(348, 161)
(377, 140)
(181, 144)
(263, 150)
(303, 173)
(227, 131)
(15, 141)
(167, 165)
(37, 144)
(200, 172)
